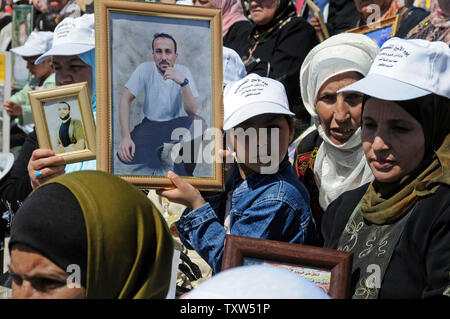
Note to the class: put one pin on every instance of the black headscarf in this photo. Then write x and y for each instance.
(282, 15)
(55, 209)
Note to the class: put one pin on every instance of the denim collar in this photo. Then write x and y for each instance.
(256, 179)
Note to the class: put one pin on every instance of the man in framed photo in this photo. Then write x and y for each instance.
(170, 103)
(69, 134)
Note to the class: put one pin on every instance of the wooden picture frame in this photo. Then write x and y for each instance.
(315, 11)
(5, 94)
(133, 25)
(22, 26)
(380, 31)
(71, 101)
(329, 269)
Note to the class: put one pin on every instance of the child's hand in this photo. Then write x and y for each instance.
(184, 193)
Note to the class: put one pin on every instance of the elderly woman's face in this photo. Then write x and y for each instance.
(203, 3)
(339, 113)
(263, 11)
(37, 277)
(363, 6)
(392, 139)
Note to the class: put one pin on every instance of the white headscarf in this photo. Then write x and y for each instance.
(338, 168)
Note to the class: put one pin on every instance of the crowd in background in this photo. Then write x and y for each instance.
(364, 159)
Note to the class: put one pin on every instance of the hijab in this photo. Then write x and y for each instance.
(105, 225)
(337, 168)
(232, 12)
(285, 12)
(387, 202)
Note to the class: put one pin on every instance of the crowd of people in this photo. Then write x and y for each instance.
(355, 158)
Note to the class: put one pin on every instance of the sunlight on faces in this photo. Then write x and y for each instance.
(261, 143)
(339, 113)
(37, 277)
(71, 69)
(164, 54)
(392, 139)
(263, 11)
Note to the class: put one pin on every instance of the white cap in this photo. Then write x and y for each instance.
(233, 67)
(257, 282)
(407, 69)
(251, 96)
(72, 36)
(38, 43)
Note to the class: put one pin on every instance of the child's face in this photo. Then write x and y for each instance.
(261, 143)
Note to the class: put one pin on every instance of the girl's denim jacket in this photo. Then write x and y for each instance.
(273, 206)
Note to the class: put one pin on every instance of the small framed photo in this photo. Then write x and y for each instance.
(64, 121)
(159, 93)
(380, 31)
(23, 24)
(327, 268)
(5, 94)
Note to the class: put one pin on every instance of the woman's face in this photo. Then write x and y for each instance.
(392, 139)
(263, 11)
(71, 69)
(261, 143)
(37, 277)
(363, 6)
(339, 113)
(57, 5)
(40, 5)
(203, 3)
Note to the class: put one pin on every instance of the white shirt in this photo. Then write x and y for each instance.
(163, 99)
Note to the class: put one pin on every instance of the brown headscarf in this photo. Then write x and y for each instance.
(386, 202)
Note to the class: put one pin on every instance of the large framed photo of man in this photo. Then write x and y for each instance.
(159, 92)
(64, 121)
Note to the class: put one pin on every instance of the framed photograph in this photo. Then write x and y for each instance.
(64, 121)
(22, 22)
(327, 268)
(380, 31)
(5, 94)
(159, 93)
(315, 11)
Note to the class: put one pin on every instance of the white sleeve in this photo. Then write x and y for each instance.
(136, 82)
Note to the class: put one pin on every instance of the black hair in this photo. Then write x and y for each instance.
(163, 35)
(63, 102)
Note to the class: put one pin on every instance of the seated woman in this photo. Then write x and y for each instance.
(330, 160)
(276, 46)
(436, 26)
(73, 64)
(71, 239)
(398, 225)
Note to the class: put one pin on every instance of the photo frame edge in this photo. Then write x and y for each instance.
(103, 62)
